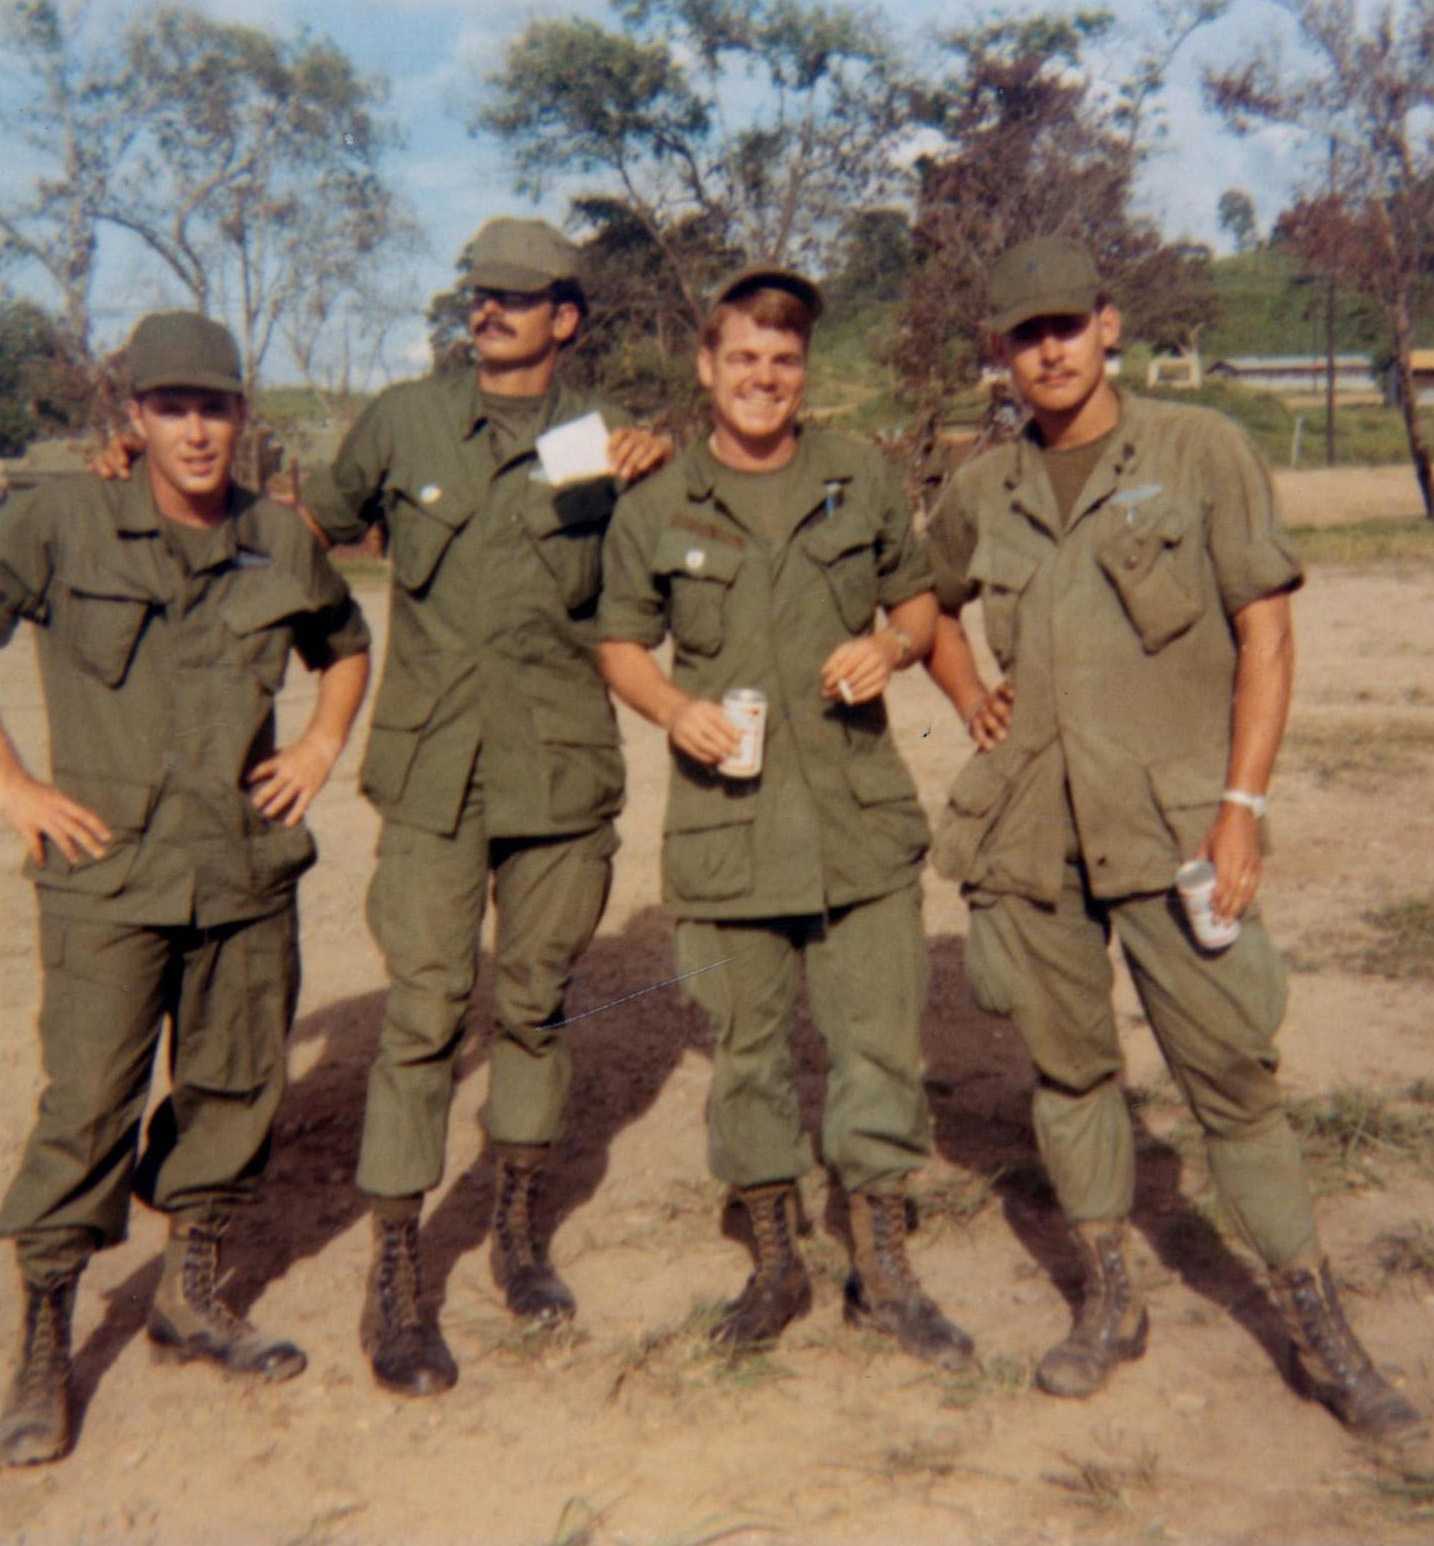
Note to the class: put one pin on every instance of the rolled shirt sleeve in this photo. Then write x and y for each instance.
(633, 605)
(26, 563)
(1252, 556)
(346, 498)
(902, 567)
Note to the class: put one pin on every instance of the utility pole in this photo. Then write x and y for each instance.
(1329, 310)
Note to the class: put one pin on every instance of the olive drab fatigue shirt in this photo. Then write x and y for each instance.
(833, 817)
(1116, 635)
(492, 629)
(160, 688)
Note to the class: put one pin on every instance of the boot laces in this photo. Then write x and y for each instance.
(400, 1281)
(200, 1275)
(517, 1194)
(888, 1231)
(1108, 1296)
(773, 1238)
(1325, 1330)
(47, 1334)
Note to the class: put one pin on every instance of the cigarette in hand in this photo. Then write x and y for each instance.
(848, 697)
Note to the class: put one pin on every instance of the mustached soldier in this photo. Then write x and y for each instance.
(493, 758)
(1136, 593)
(165, 852)
(766, 552)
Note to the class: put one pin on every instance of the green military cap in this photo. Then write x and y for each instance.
(1048, 277)
(767, 276)
(525, 255)
(183, 349)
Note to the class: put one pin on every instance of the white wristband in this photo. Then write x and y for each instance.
(1252, 802)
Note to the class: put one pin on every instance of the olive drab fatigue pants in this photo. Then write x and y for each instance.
(866, 973)
(230, 993)
(1214, 1016)
(425, 907)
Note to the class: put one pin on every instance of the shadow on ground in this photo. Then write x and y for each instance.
(979, 1081)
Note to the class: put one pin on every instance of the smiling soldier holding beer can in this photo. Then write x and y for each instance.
(793, 834)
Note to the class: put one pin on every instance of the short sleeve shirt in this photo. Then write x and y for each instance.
(160, 677)
(1115, 632)
(833, 817)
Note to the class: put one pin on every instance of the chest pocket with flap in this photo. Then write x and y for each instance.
(106, 611)
(256, 604)
(844, 548)
(698, 572)
(421, 528)
(1153, 563)
(567, 526)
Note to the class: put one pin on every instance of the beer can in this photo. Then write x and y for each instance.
(746, 709)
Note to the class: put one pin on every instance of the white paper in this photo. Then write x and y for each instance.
(574, 451)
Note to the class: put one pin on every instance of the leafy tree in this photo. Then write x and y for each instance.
(248, 164)
(1365, 97)
(874, 257)
(257, 181)
(1030, 147)
(759, 124)
(78, 111)
(41, 392)
(1236, 215)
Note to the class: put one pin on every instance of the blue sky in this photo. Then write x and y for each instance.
(434, 51)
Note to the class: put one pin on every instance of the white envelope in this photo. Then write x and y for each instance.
(575, 451)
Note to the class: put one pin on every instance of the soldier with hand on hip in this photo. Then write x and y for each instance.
(165, 848)
(1136, 593)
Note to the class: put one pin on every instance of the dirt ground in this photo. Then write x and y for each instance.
(626, 1430)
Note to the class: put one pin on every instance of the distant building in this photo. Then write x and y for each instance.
(1421, 364)
(1298, 373)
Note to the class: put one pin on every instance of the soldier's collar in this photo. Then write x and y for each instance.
(1120, 455)
(471, 412)
(838, 464)
(135, 514)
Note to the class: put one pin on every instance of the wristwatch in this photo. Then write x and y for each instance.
(1257, 803)
(904, 640)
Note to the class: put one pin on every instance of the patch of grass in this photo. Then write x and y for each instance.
(1002, 1374)
(1346, 752)
(1407, 1486)
(1403, 946)
(531, 1342)
(1405, 541)
(577, 1524)
(717, 1527)
(1407, 1252)
(918, 1459)
(671, 1360)
(320, 1529)
(1350, 1136)
(1107, 1484)
(957, 1202)
(640, 1357)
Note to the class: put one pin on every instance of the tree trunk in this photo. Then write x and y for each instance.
(1418, 449)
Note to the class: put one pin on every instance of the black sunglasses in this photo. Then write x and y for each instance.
(510, 300)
